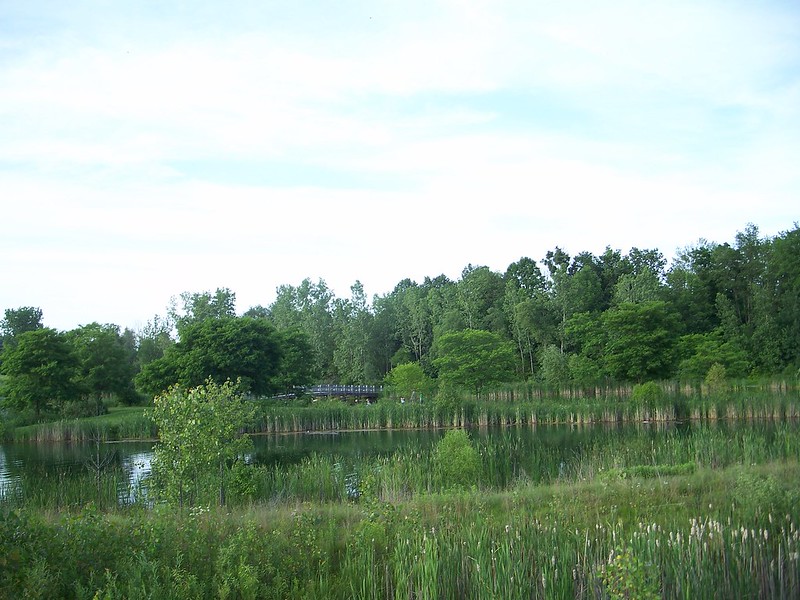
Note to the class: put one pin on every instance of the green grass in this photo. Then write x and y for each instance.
(686, 536)
(118, 424)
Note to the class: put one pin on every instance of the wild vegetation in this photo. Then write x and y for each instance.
(706, 506)
(706, 513)
(718, 312)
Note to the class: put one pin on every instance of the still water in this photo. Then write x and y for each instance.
(27, 463)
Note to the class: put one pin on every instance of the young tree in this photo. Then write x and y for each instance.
(201, 442)
(409, 380)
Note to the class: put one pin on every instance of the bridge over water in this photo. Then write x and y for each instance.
(350, 391)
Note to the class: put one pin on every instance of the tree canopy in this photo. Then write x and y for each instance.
(567, 319)
(41, 371)
(219, 349)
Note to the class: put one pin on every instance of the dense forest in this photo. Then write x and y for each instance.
(564, 320)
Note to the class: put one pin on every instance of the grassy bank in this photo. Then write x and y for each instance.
(674, 405)
(680, 536)
(777, 402)
(121, 423)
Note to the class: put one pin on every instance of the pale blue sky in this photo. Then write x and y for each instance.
(150, 148)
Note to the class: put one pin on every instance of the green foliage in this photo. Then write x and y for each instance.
(648, 471)
(200, 306)
(456, 460)
(640, 340)
(647, 394)
(41, 371)
(554, 367)
(703, 351)
(448, 400)
(220, 349)
(297, 366)
(474, 359)
(106, 362)
(626, 577)
(200, 442)
(409, 381)
(17, 321)
(716, 378)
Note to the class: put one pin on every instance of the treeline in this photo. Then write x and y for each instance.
(571, 319)
(731, 310)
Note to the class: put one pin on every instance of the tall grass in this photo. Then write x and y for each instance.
(506, 408)
(119, 424)
(509, 458)
(551, 542)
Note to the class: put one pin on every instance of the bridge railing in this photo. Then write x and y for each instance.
(328, 389)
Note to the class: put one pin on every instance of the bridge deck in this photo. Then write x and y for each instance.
(360, 391)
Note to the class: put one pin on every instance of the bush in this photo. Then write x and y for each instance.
(647, 394)
(456, 460)
(627, 577)
(448, 399)
(86, 407)
(715, 378)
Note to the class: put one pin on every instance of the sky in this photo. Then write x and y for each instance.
(149, 148)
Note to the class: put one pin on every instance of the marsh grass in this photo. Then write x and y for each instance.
(561, 540)
(121, 423)
(741, 401)
(707, 511)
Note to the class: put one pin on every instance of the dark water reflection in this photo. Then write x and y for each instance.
(26, 462)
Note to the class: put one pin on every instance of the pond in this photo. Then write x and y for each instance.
(548, 451)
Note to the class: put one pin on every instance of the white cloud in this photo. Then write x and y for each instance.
(453, 133)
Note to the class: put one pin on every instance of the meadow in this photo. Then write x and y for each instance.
(707, 510)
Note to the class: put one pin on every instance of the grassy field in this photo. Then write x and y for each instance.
(723, 533)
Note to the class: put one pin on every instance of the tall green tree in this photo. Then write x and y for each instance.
(525, 304)
(107, 364)
(296, 367)
(474, 359)
(199, 306)
(784, 277)
(235, 348)
(17, 321)
(309, 307)
(353, 320)
(153, 340)
(41, 371)
(480, 296)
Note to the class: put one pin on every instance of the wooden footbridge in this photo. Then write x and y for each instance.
(345, 391)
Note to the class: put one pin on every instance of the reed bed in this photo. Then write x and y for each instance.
(509, 459)
(509, 409)
(120, 424)
(545, 542)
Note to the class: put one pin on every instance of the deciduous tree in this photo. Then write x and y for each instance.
(474, 359)
(201, 442)
(41, 371)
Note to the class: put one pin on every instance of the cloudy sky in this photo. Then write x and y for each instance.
(150, 147)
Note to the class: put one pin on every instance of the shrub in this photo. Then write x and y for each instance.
(647, 394)
(715, 378)
(627, 577)
(456, 460)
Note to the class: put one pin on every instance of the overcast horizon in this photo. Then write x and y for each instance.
(149, 149)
